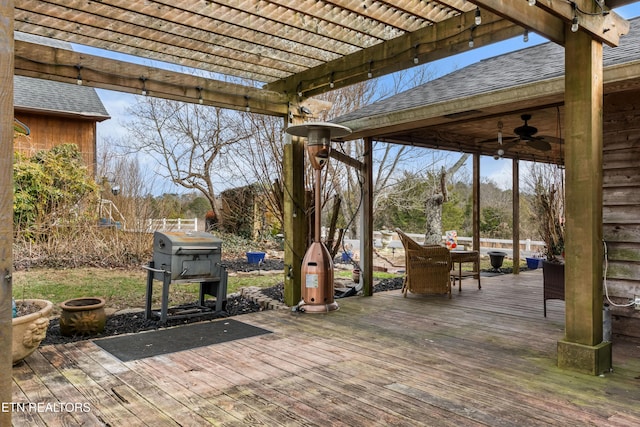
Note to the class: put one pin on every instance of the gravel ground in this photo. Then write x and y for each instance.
(276, 292)
(135, 322)
(243, 265)
(236, 305)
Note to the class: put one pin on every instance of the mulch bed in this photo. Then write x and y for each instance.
(135, 322)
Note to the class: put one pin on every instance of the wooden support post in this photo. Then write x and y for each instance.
(476, 202)
(516, 215)
(582, 348)
(295, 221)
(366, 231)
(6, 203)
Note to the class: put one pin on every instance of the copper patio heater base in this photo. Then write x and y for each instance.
(317, 273)
(317, 265)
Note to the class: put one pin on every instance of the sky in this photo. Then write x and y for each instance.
(498, 171)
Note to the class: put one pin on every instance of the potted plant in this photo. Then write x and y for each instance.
(29, 326)
(549, 209)
(550, 214)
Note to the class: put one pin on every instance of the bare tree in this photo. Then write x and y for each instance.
(124, 183)
(390, 160)
(187, 140)
(258, 159)
(434, 201)
(258, 162)
(546, 183)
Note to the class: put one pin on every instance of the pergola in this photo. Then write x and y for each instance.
(271, 56)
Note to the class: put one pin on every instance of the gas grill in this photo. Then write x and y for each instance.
(186, 257)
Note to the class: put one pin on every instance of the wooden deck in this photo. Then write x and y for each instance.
(485, 357)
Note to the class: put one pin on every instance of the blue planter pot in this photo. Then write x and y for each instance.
(255, 257)
(533, 263)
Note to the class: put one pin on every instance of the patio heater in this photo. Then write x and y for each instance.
(317, 265)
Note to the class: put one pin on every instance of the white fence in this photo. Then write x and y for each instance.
(166, 224)
(527, 246)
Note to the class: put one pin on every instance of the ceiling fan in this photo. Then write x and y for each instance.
(525, 133)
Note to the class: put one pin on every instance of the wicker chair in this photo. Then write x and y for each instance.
(428, 267)
(552, 281)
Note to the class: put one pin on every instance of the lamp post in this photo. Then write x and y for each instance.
(317, 265)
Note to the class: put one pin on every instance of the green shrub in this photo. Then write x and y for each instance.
(51, 189)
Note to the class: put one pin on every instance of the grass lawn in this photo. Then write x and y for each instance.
(121, 288)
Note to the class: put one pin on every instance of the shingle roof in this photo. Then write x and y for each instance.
(533, 64)
(55, 97)
(46, 95)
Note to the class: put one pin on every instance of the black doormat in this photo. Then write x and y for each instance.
(179, 338)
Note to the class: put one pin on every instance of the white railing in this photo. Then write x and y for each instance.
(166, 224)
(527, 246)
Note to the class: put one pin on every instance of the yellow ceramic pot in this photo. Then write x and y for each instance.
(31, 329)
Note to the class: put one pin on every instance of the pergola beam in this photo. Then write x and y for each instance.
(350, 161)
(549, 18)
(533, 18)
(603, 25)
(500, 21)
(437, 41)
(50, 63)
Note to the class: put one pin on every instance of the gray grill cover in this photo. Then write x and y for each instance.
(192, 256)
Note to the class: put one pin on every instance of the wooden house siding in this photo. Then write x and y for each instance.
(621, 205)
(47, 131)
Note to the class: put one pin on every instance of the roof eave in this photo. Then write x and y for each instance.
(522, 97)
(96, 117)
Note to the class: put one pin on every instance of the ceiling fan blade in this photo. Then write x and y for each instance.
(539, 144)
(514, 141)
(551, 139)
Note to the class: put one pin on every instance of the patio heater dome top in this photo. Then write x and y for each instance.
(319, 135)
(305, 129)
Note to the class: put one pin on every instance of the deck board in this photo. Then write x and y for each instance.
(72, 364)
(26, 418)
(483, 358)
(45, 386)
